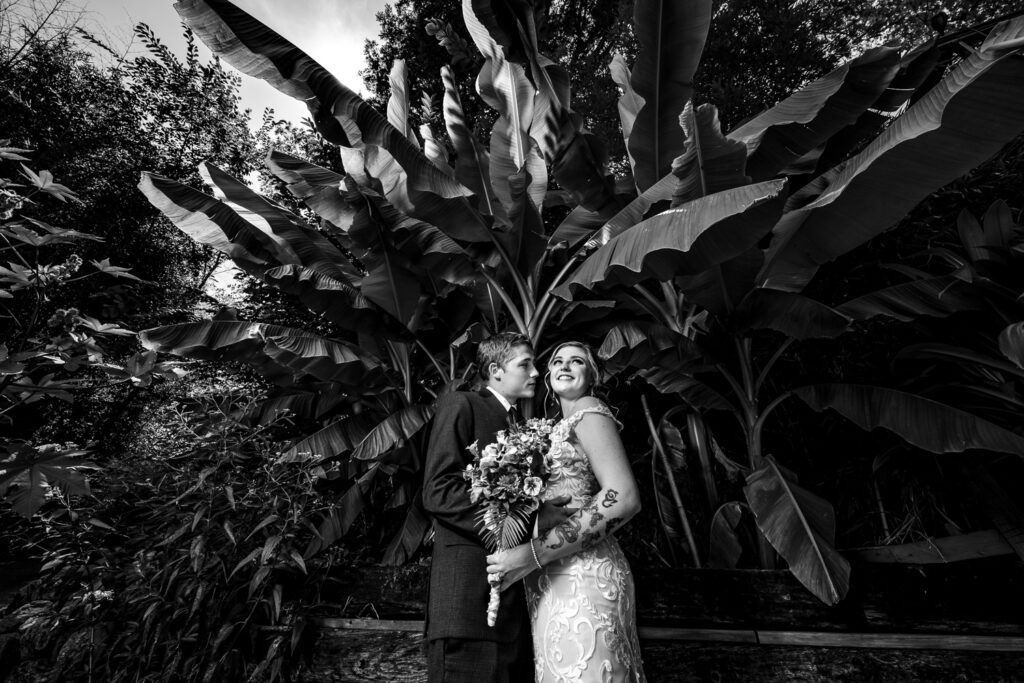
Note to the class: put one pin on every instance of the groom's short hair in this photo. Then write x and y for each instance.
(499, 349)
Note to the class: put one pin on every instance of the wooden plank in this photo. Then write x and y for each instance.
(880, 641)
(698, 635)
(973, 546)
(893, 641)
(407, 626)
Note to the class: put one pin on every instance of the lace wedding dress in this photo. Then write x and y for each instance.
(582, 607)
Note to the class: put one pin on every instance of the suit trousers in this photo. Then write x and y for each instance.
(461, 660)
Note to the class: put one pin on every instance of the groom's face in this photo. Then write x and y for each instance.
(517, 378)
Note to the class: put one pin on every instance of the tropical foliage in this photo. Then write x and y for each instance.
(48, 352)
(199, 551)
(711, 241)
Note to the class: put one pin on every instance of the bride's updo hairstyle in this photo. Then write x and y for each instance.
(589, 359)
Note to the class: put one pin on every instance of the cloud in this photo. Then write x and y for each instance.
(331, 32)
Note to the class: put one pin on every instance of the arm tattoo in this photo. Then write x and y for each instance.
(566, 532)
(571, 530)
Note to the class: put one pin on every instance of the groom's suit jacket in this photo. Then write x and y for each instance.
(457, 603)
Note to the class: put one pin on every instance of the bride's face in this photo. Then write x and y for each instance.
(570, 374)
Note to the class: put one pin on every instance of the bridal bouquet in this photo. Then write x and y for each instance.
(506, 479)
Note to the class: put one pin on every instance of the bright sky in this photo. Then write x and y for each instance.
(331, 31)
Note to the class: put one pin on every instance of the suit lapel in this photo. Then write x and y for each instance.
(497, 417)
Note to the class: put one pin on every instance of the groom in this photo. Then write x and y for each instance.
(461, 646)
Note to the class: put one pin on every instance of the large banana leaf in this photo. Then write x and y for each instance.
(925, 423)
(725, 545)
(343, 514)
(209, 221)
(960, 355)
(634, 212)
(1011, 343)
(916, 67)
(337, 438)
(937, 297)
(527, 227)
(580, 168)
(337, 301)
(962, 121)
(428, 251)
(802, 529)
(302, 244)
(810, 116)
(580, 224)
(435, 150)
(220, 340)
(682, 241)
(671, 34)
(793, 315)
(719, 290)
(305, 405)
(410, 536)
(636, 342)
(630, 103)
(394, 430)
(992, 238)
(710, 162)
(244, 342)
(395, 289)
(325, 360)
(317, 187)
(694, 392)
(473, 163)
(398, 102)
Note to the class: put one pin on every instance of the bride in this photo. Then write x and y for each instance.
(578, 584)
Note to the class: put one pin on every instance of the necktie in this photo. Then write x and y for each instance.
(514, 416)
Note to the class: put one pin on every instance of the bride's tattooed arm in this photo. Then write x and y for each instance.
(600, 516)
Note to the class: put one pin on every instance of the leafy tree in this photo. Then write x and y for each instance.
(101, 125)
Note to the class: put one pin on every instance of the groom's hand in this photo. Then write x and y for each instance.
(553, 512)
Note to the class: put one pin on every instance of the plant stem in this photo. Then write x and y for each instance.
(771, 363)
(666, 315)
(517, 279)
(676, 498)
(430, 356)
(509, 304)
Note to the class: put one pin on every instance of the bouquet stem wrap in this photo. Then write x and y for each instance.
(506, 479)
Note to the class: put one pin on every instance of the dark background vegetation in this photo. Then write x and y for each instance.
(167, 455)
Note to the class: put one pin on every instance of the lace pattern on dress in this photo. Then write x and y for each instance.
(582, 607)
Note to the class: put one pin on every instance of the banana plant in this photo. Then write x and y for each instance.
(710, 292)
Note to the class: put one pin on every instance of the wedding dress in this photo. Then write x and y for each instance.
(582, 607)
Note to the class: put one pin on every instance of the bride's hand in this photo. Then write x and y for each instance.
(510, 565)
(553, 512)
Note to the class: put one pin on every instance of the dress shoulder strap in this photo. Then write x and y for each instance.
(600, 409)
